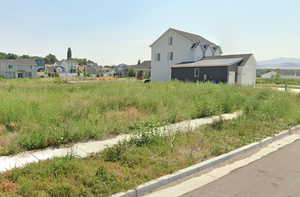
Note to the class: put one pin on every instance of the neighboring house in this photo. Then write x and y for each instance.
(143, 69)
(269, 75)
(108, 72)
(231, 69)
(18, 68)
(66, 66)
(121, 70)
(40, 65)
(174, 47)
(93, 69)
(90, 69)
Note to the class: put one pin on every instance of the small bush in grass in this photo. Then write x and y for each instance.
(62, 166)
(207, 108)
(218, 124)
(103, 182)
(33, 140)
(105, 176)
(147, 133)
(115, 153)
(63, 190)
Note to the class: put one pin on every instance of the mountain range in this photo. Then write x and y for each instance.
(279, 63)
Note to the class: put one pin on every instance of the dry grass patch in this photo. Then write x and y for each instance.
(8, 187)
(2, 129)
(130, 113)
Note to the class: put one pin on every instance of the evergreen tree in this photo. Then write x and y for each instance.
(69, 54)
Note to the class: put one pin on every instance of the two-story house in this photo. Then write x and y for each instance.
(19, 68)
(174, 47)
(67, 66)
(183, 56)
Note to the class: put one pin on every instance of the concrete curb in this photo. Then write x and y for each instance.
(157, 183)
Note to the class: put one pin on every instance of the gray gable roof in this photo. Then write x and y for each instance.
(244, 56)
(19, 62)
(194, 38)
(223, 60)
(145, 65)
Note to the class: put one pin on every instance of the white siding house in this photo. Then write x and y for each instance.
(175, 47)
(18, 68)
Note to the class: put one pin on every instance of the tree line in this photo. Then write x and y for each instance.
(49, 59)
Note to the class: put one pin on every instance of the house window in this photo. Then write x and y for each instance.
(10, 66)
(170, 40)
(158, 56)
(196, 72)
(171, 56)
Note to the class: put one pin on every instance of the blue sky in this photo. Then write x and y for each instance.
(116, 31)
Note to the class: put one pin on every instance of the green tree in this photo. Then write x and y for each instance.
(83, 61)
(11, 56)
(2, 55)
(69, 54)
(50, 59)
(25, 57)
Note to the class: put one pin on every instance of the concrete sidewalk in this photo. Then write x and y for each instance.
(85, 149)
(277, 175)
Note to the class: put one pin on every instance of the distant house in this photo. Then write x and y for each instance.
(108, 72)
(269, 75)
(143, 69)
(19, 68)
(93, 69)
(174, 47)
(121, 70)
(66, 66)
(231, 69)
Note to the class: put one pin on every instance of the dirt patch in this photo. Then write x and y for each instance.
(131, 112)
(2, 129)
(8, 187)
(7, 139)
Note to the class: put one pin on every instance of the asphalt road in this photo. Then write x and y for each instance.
(276, 175)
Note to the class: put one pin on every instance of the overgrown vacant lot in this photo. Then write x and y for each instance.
(41, 113)
(150, 156)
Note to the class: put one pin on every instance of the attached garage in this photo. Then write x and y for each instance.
(195, 74)
(231, 69)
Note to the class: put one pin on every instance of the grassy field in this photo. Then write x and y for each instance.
(40, 113)
(139, 160)
(278, 81)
